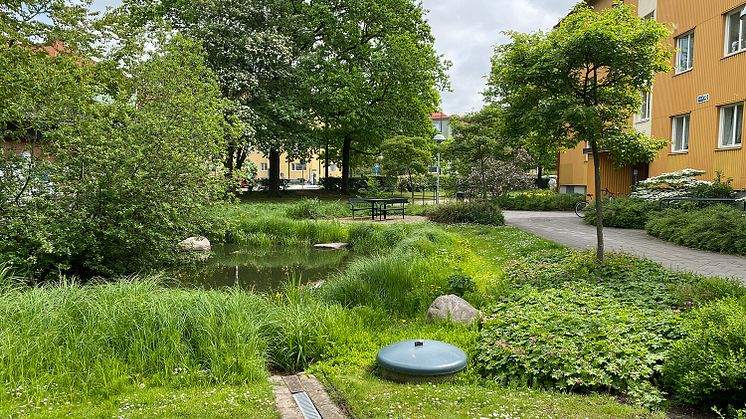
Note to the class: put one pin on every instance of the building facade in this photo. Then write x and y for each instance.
(299, 171)
(698, 106)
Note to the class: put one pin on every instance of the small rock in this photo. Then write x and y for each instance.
(452, 307)
(331, 246)
(195, 244)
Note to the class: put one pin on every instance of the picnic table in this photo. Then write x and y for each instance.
(380, 207)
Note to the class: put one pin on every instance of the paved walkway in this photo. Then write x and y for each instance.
(567, 229)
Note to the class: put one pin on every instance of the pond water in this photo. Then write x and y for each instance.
(261, 269)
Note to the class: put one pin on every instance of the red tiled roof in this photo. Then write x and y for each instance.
(438, 115)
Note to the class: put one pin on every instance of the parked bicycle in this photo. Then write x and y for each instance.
(581, 206)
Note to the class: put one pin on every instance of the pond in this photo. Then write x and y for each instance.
(261, 269)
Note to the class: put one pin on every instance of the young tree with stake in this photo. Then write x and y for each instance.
(581, 82)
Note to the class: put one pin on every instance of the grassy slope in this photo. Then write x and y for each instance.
(353, 381)
(349, 338)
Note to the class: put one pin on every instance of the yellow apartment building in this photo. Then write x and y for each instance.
(698, 106)
(313, 169)
(299, 170)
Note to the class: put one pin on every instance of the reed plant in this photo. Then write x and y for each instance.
(397, 284)
(95, 339)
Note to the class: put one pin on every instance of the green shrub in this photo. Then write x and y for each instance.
(121, 187)
(720, 228)
(623, 212)
(625, 278)
(460, 284)
(708, 366)
(717, 189)
(539, 200)
(474, 212)
(695, 294)
(314, 209)
(574, 339)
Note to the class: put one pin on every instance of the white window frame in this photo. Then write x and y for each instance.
(263, 167)
(298, 167)
(721, 135)
(735, 14)
(689, 38)
(674, 133)
(644, 113)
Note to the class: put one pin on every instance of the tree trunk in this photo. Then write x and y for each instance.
(241, 156)
(539, 175)
(411, 185)
(326, 161)
(599, 205)
(229, 155)
(274, 172)
(346, 146)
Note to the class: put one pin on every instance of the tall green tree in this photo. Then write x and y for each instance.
(121, 155)
(407, 155)
(256, 48)
(375, 73)
(581, 82)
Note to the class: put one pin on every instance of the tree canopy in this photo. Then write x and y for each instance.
(407, 155)
(375, 73)
(582, 82)
(105, 165)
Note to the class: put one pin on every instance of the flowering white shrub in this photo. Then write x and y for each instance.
(669, 185)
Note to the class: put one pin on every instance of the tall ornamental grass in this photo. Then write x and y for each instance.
(97, 339)
(279, 230)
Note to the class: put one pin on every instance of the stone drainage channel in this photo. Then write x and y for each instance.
(303, 397)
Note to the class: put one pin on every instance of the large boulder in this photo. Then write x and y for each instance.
(195, 244)
(452, 307)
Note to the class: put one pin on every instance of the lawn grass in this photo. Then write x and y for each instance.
(221, 401)
(369, 396)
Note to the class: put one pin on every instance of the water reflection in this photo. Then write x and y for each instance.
(260, 269)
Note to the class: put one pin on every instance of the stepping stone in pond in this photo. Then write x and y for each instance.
(330, 246)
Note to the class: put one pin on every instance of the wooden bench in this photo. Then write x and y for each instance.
(394, 205)
(360, 204)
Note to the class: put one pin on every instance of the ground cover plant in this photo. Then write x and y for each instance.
(539, 200)
(720, 228)
(576, 338)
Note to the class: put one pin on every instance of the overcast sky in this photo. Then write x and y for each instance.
(466, 32)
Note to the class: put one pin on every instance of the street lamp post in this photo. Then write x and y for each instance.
(439, 138)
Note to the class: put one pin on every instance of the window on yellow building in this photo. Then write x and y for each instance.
(680, 133)
(731, 125)
(644, 113)
(298, 166)
(263, 167)
(685, 52)
(735, 32)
